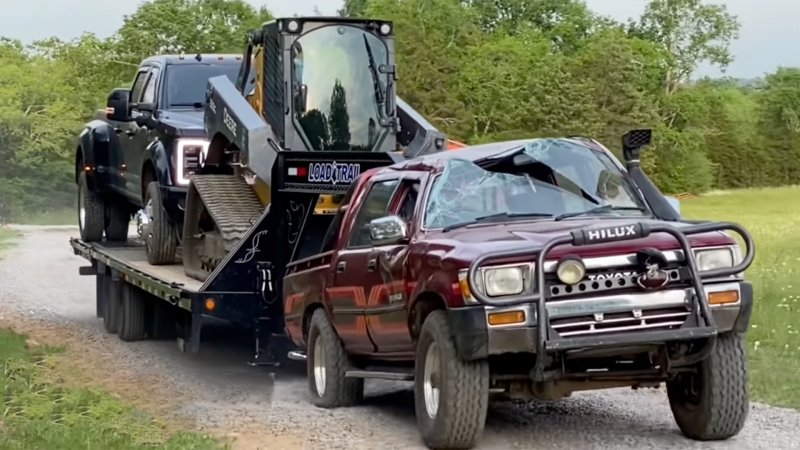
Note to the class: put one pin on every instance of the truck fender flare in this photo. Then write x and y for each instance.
(95, 134)
(427, 299)
(158, 159)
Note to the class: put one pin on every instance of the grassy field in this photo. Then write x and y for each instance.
(774, 340)
(38, 412)
(64, 216)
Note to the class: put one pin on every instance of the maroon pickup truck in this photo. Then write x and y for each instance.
(526, 270)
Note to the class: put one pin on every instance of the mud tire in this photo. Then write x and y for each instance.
(160, 235)
(337, 390)
(719, 406)
(92, 224)
(463, 398)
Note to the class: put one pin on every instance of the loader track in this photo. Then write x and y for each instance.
(233, 207)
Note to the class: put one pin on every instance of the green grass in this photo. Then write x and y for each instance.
(773, 218)
(5, 237)
(38, 412)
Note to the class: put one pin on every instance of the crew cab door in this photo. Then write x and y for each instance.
(143, 133)
(348, 293)
(388, 269)
(127, 132)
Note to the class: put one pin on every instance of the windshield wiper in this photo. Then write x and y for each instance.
(502, 215)
(376, 81)
(599, 209)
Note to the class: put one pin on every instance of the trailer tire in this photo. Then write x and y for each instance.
(451, 396)
(160, 234)
(118, 223)
(717, 407)
(327, 363)
(113, 304)
(101, 293)
(160, 319)
(91, 211)
(132, 320)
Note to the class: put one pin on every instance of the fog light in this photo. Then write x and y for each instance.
(570, 271)
(506, 318)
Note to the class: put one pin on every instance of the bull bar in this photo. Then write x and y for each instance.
(599, 235)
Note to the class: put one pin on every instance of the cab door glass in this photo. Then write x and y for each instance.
(149, 95)
(374, 206)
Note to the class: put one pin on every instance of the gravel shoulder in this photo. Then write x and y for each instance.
(41, 293)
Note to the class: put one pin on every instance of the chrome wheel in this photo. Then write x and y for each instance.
(319, 366)
(145, 218)
(431, 381)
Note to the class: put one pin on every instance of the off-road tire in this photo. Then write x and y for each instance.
(338, 390)
(113, 305)
(118, 221)
(132, 317)
(720, 409)
(463, 390)
(160, 237)
(93, 223)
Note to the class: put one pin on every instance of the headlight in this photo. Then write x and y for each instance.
(503, 281)
(714, 259)
(189, 157)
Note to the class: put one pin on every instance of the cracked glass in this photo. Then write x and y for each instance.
(557, 177)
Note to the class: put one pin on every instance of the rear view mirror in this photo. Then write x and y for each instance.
(388, 230)
(118, 105)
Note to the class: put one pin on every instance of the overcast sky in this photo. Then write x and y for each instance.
(769, 37)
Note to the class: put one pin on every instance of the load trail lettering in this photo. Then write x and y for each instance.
(611, 233)
(333, 172)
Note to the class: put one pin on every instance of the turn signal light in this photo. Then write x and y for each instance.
(506, 318)
(211, 304)
(723, 297)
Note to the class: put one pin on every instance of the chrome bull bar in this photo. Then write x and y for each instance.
(602, 235)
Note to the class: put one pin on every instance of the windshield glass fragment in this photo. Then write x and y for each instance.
(549, 177)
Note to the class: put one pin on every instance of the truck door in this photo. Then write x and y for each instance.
(142, 137)
(348, 294)
(127, 137)
(387, 305)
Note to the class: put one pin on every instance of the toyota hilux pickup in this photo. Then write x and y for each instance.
(527, 270)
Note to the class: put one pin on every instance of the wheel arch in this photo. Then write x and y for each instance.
(308, 312)
(423, 304)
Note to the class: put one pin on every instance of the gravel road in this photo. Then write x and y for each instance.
(217, 391)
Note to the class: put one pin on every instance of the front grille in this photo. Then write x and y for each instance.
(626, 282)
(620, 322)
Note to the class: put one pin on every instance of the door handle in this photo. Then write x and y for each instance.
(341, 266)
(372, 264)
(130, 132)
(117, 130)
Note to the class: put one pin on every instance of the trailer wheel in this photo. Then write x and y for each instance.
(113, 304)
(160, 319)
(326, 365)
(101, 293)
(712, 403)
(118, 223)
(91, 212)
(160, 235)
(451, 396)
(132, 320)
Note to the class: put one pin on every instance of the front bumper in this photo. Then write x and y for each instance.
(647, 322)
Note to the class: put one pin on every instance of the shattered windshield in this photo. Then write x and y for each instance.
(549, 177)
(338, 87)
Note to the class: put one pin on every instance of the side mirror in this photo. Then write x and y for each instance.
(674, 202)
(118, 105)
(633, 141)
(388, 230)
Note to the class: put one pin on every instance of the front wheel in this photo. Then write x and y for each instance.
(160, 235)
(91, 211)
(712, 402)
(326, 364)
(451, 395)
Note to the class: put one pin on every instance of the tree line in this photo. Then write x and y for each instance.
(480, 70)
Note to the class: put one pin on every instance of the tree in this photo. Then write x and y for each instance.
(353, 8)
(339, 120)
(690, 32)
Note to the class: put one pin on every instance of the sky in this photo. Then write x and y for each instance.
(769, 36)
